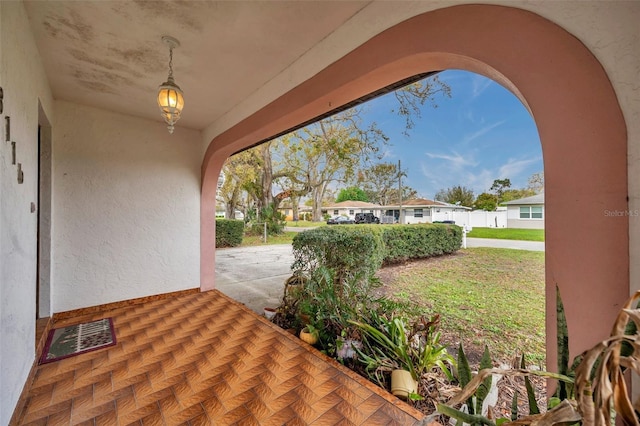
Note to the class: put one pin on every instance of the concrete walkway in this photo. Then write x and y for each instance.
(507, 244)
(255, 276)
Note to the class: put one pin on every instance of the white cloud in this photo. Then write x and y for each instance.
(514, 167)
(482, 131)
(479, 85)
(456, 160)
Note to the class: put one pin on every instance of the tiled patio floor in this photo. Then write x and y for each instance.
(204, 359)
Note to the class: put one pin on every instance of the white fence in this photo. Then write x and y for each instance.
(477, 218)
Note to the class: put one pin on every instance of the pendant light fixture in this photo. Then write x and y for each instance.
(170, 99)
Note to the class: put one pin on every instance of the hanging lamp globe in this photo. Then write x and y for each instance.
(170, 96)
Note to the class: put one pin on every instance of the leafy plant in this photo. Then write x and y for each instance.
(269, 215)
(394, 343)
(599, 385)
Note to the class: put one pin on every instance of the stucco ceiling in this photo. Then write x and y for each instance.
(109, 54)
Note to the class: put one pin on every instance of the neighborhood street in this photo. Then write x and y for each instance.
(255, 275)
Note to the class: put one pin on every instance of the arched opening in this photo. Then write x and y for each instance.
(581, 128)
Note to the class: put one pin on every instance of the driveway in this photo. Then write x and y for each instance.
(255, 276)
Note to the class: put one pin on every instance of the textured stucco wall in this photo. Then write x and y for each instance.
(126, 208)
(23, 82)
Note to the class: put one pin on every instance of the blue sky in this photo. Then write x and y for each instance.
(482, 133)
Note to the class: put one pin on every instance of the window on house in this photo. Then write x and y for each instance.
(536, 212)
(417, 213)
(350, 212)
(335, 212)
(531, 212)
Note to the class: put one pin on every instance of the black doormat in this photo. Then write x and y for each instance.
(77, 339)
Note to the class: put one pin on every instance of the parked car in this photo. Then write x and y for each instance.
(340, 220)
(366, 218)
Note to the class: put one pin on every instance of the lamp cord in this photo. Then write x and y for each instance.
(170, 62)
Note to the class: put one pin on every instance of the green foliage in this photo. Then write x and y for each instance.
(332, 301)
(564, 390)
(516, 194)
(531, 396)
(420, 241)
(464, 372)
(396, 343)
(353, 193)
(499, 187)
(229, 232)
(363, 249)
(486, 201)
(269, 215)
(478, 388)
(456, 194)
(348, 250)
(485, 385)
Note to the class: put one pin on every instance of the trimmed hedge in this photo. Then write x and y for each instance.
(229, 232)
(364, 248)
(419, 241)
(345, 249)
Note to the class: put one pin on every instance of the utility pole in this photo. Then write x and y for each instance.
(400, 221)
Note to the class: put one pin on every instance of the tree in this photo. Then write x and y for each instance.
(410, 98)
(536, 183)
(486, 201)
(380, 181)
(352, 193)
(499, 186)
(456, 195)
(408, 193)
(516, 194)
(238, 172)
(330, 151)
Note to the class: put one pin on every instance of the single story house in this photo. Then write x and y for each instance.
(287, 210)
(526, 212)
(422, 210)
(349, 208)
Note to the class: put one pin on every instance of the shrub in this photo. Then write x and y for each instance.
(229, 232)
(419, 241)
(348, 250)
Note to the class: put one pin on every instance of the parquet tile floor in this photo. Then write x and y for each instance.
(204, 359)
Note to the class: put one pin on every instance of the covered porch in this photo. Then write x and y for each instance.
(199, 359)
(100, 204)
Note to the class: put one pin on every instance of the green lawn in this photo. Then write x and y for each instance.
(508, 234)
(485, 296)
(258, 240)
(303, 224)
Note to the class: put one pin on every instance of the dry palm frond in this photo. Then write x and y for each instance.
(600, 380)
